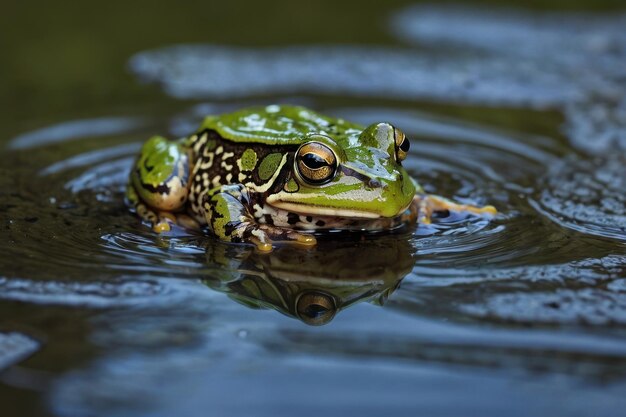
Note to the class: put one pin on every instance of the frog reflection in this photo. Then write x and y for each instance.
(314, 285)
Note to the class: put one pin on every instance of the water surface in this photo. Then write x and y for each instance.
(523, 314)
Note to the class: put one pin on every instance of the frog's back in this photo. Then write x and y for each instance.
(276, 125)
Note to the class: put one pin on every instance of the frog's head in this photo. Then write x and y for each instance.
(355, 174)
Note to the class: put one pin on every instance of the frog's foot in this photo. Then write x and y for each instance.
(161, 221)
(165, 221)
(429, 204)
(229, 217)
(264, 236)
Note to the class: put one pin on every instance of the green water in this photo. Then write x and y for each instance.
(521, 315)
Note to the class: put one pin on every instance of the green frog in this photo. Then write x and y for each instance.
(276, 174)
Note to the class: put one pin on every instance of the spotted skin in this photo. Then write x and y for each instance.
(217, 165)
(227, 213)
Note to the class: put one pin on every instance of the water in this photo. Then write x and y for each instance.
(521, 315)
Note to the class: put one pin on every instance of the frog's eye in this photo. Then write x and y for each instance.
(402, 144)
(315, 308)
(316, 163)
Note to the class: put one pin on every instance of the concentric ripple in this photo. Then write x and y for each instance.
(587, 196)
(70, 219)
(470, 163)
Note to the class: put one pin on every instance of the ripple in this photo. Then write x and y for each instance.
(587, 196)
(88, 159)
(76, 129)
(456, 159)
(587, 292)
(414, 349)
(77, 225)
(14, 347)
(587, 306)
(123, 292)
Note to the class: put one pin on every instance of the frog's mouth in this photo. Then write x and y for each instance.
(303, 208)
(306, 209)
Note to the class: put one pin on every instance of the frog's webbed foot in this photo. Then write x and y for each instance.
(230, 219)
(428, 204)
(165, 221)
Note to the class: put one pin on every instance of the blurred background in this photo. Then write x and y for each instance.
(520, 104)
(72, 60)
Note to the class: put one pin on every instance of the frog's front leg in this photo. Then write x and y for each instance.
(427, 204)
(228, 213)
(159, 183)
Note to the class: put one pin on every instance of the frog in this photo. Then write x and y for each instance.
(281, 174)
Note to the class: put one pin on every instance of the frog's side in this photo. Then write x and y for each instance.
(270, 174)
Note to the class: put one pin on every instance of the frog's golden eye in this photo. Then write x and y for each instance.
(315, 308)
(402, 144)
(316, 163)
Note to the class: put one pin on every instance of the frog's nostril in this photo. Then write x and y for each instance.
(374, 183)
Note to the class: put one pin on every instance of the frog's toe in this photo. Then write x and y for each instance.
(261, 246)
(301, 239)
(164, 222)
(306, 240)
(276, 235)
(428, 204)
(486, 210)
(161, 227)
(489, 211)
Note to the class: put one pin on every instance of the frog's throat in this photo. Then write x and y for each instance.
(305, 209)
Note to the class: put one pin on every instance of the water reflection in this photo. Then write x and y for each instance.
(312, 286)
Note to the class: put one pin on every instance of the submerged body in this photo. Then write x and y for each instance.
(264, 175)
